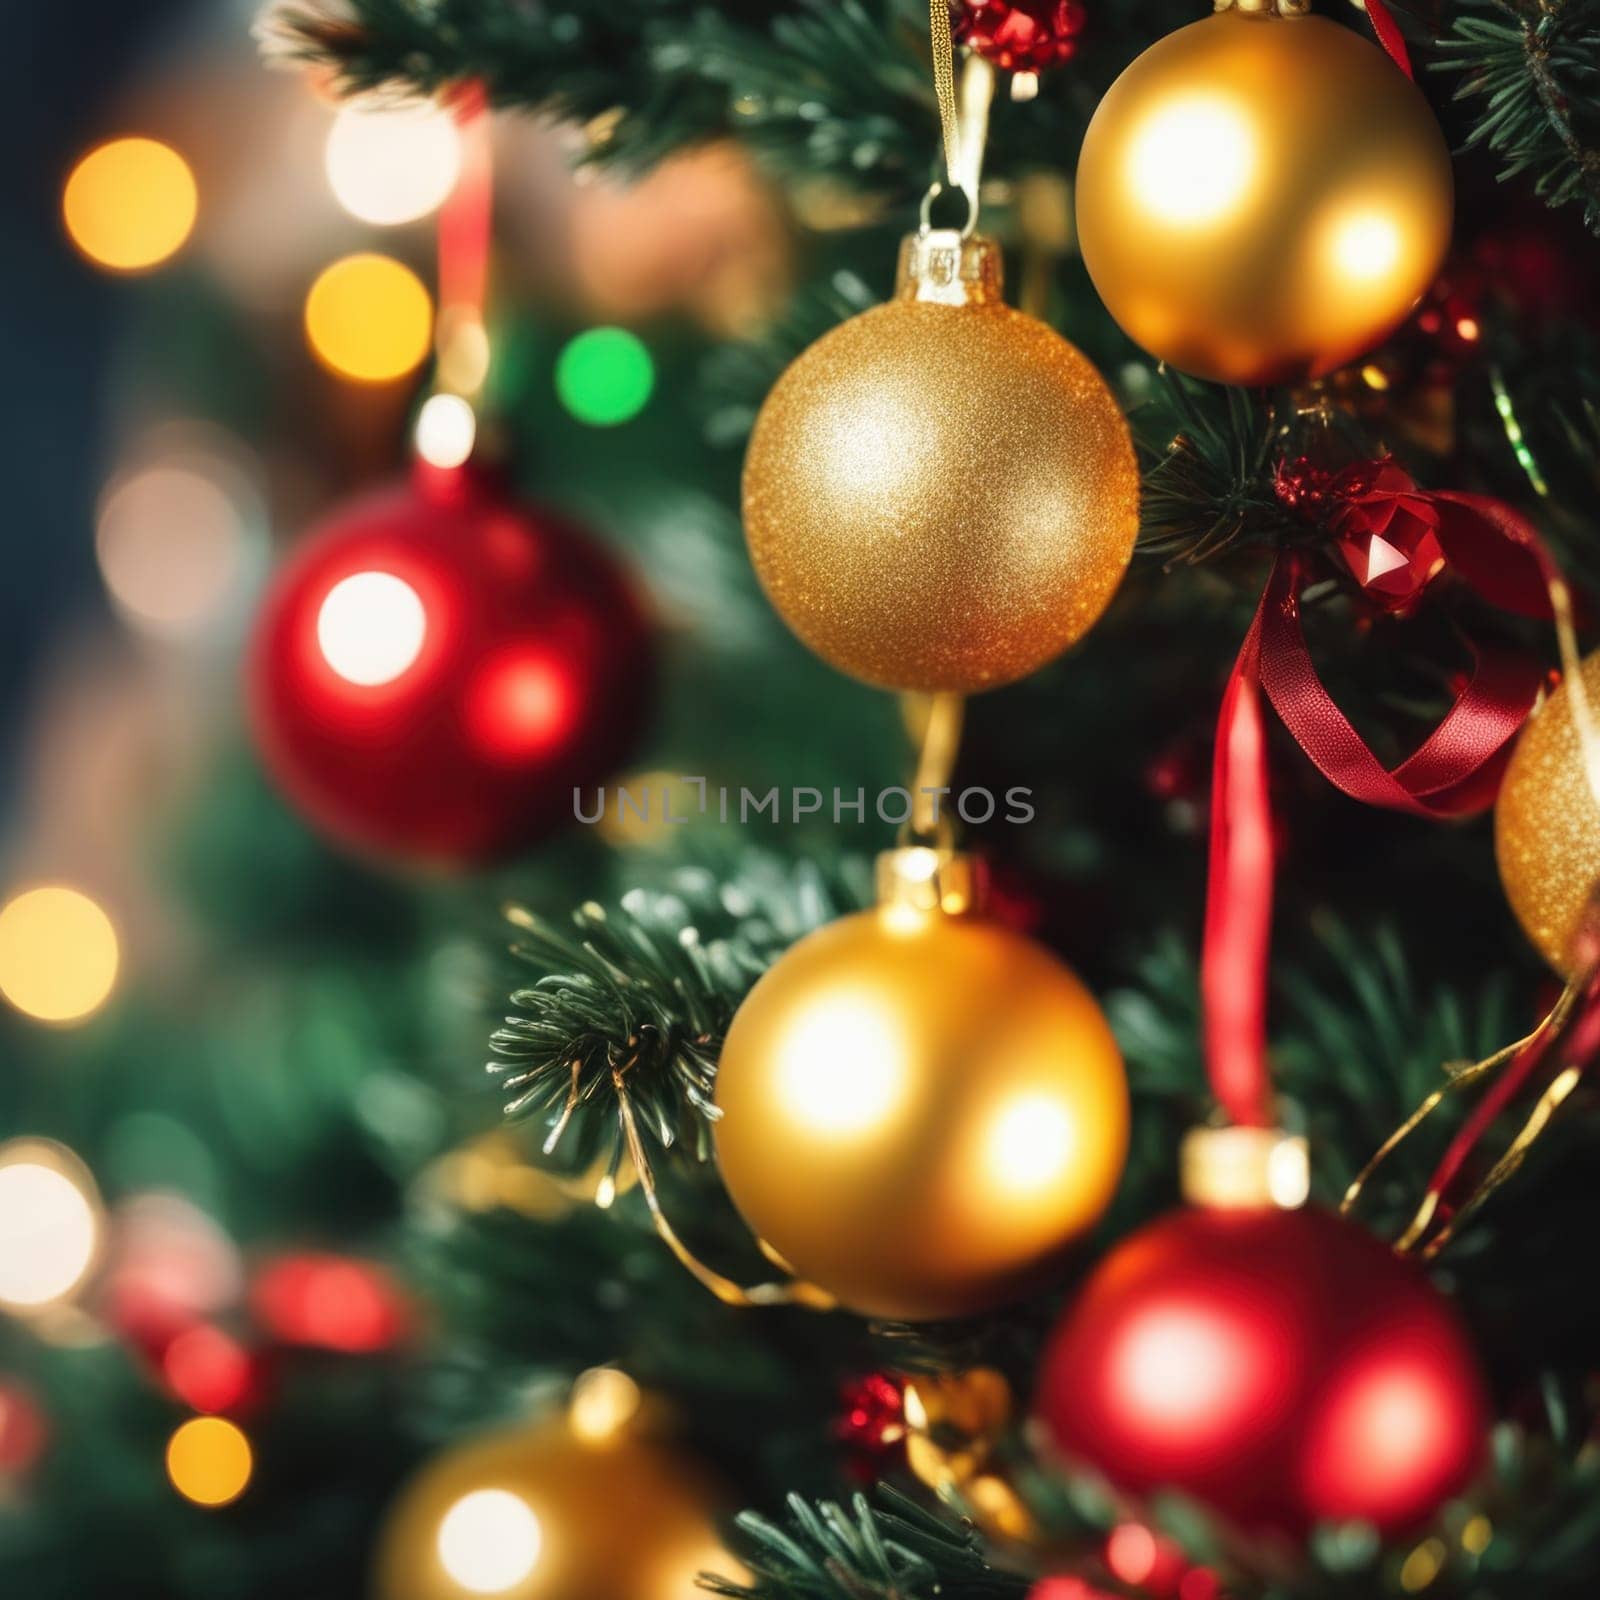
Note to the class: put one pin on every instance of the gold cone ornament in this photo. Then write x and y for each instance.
(580, 1506)
(920, 1109)
(1263, 197)
(941, 493)
(1547, 825)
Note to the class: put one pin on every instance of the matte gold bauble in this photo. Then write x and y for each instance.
(941, 493)
(1263, 198)
(545, 1513)
(1547, 826)
(919, 1107)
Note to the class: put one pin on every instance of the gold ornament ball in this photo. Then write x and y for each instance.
(544, 1513)
(941, 493)
(1263, 198)
(919, 1111)
(1547, 826)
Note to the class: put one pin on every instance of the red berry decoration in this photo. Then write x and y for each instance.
(438, 667)
(1282, 1367)
(1019, 35)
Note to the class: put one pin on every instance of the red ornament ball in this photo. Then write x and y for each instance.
(1019, 35)
(438, 667)
(1282, 1367)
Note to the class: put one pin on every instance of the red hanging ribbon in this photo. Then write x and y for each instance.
(1389, 35)
(1454, 772)
(467, 216)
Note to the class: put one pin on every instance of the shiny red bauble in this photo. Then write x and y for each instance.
(1281, 1367)
(438, 667)
(1019, 35)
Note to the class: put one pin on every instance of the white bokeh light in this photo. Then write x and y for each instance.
(390, 164)
(371, 627)
(172, 547)
(49, 1225)
(489, 1541)
(446, 430)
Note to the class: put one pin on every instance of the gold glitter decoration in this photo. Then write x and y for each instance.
(1547, 826)
(920, 1108)
(941, 493)
(1263, 198)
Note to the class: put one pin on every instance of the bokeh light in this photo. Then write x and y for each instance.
(605, 376)
(489, 1541)
(390, 164)
(368, 317)
(604, 1401)
(130, 204)
(58, 954)
(172, 544)
(371, 627)
(447, 429)
(209, 1461)
(207, 1369)
(1194, 160)
(49, 1224)
(330, 1302)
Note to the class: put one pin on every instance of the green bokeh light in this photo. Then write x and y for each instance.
(605, 376)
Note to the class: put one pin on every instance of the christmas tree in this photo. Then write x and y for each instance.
(949, 639)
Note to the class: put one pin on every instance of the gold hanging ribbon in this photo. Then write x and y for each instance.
(944, 84)
(794, 1293)
(935, 721)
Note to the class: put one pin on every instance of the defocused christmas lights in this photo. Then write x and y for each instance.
(58, 954)
(130, 204)
(369, 318)
(50, 1224)
(605, 376)
(209, 1461)
(389, 164)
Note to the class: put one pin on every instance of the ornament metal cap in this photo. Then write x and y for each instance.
(926, 878)
(1265, 8)
(942, 266)
(1236, 1168)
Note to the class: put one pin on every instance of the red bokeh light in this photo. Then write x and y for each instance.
(208, 1370)
(329, 1302)
(24, 1432)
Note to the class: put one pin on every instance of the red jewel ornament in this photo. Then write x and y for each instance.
(1019, 35)
(438, 667)
(872, 1422)
(1383, 528)
(1282, 1367)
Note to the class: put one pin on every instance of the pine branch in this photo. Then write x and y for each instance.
(822, 86)
(636, 999)
(1535, 67)
(898, 1552)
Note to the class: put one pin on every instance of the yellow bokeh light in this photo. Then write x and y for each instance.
(369, 318)
(489, 1541)
(49, 1224)
(1193, 161)
(130, 204)
(604, 1401)
(447, 428)
(389, 164)
(58, 954)
(843, 1066)
(371, 627)
(209, 1461)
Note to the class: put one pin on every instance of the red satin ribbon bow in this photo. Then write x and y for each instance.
(1454, 772)
(1389, 35)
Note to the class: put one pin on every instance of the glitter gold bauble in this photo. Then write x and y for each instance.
(919, 1107)
(1262, 198)
(941, 493)
(1547, 826)
(551, 1512)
